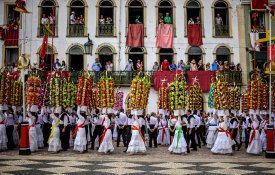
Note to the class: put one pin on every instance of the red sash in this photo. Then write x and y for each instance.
(163, 131)
(76, 129)
(1, 123)
(228, 134)
(139, 131)
(104, 133)
(252, 135)
(103, 120)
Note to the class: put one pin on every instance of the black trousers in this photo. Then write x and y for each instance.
(143, 130)
(197, 132)
(191, 137)
(65, 137)
(121, 132)
(97, 132)
(202, 132)
(247, 136)
(234, 136)
(9, 131)
(153, 136)
(128, 134)
(46, 133)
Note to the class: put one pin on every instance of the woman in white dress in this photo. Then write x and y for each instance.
(164, 132)
(3, 134)
(179, 144)
(255, 144)
(54, 139)
(106, 144)
(212, 131)
(38, 126)
(137, 142)
(224, 142)
(15, 133)
(80, 142)
(32, 130)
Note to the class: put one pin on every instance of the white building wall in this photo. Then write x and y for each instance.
(62, 43)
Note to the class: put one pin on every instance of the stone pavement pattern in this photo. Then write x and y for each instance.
(156, 161)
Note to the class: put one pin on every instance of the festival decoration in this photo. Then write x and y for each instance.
(2, 86)
(177, 94)
(194, 97)
(95, 102)
(139, 92)
(69, 95)
(163, 100)
(234, 97)
(118, 100)
(211, 95)
(33, 91)
(56, 91)
(16, 97)
(84, 89)
(221, 94)
(245, 105)
(106, 92)
(273, 98)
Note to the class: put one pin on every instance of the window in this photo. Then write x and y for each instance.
(106, 18)
(48, 60)
(166, 54)
(76, 58)
(260, 21)
(77, 19)
(193, 12)
(194, 53)
(48, 19)
(222, 55)
(221, 19)
(11, 16)
(11, 56)
(165, 8)
(136, 55)
(105, 55)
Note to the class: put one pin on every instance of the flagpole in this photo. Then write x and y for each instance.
(23, 70)
(270, 61)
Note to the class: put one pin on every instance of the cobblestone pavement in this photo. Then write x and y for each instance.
(155, 161)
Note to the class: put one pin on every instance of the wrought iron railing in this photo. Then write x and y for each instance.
(105, 29)
(232, 76)
(76, 30)
(42, 30)
(221, 30)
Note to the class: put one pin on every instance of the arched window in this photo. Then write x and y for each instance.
(167, 54)
(136, 54)
(105, 55)
(76, 58)
(48, 18)
(135, 10)
(77, 19)
(223, 54)
(194, 11)
(194, 53)
(221, 18)
(48, 59)
(165, 9)
(106, 18)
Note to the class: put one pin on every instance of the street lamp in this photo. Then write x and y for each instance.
(89, 46)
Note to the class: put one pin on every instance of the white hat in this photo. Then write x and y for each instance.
(1, 107)
(19, 108)
(34, 108)
(140, 112)
(161, 111)
(70, 110)
(110, 111)
(104, 110)
(176, 112)
(221, 113)
(5, 107)
(49, 110)
(133, 111)
(14, 108)
(84, 109)
(58, 110)
(130, 60)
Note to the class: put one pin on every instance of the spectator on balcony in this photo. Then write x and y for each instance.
(198, 20)
(101, 20)
(193, 66)
(219, 23)
(109, 66)
(173, 66)
(109, 20)
(44, 20)
(139, 65)
(201, 66)
(51, 19)
(129, 68)
(96, 68)
(221, 67)
(63, 66)
(238, 67)
(161, 20)
(181, 65)
(232, 66)
(164, 65)
(215, 66)
(156, 66)
(187, 66)
(167, 19)
(137, 21)
(72, 22)
(81, 19)
(225, 65)
(191, 21)
(56, 65)
(207, 67)
(262, 28)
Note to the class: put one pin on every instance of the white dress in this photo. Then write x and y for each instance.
(263, 134)
(255, 144)
(137, 143)
(212, 132)
(80, 141)
(223, 143)
(179, 144)
(54, 141)
(106, 144)
(38, 127)
(15, 133)
(164, 133)
(3, 135)
(32, 134)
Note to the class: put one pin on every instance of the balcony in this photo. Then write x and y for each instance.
(76, 30)
(221, 30)
(232, 77)
(105, 29)
(42, 30)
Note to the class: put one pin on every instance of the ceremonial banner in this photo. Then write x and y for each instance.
(259, 5)
(135, 35)
(165, 36)
(11, 36)
(194, 35)
(21, 6)
(44, 47)
(272, 52)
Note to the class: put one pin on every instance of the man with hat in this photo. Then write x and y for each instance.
(46, 124)
(153, 132)
(128, 127)
(119, 121)
(64, 131)
(129, 68)
(97, 121)
(191, 122)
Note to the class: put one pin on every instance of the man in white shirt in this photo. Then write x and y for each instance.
(153, 129)
(219, 23)
(44, 20)
(119, 121)
(64, 132)
(197, 125)
(234, 128)
(72, 22)
(191, 122)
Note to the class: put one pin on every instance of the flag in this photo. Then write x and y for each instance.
(259, 5)
(21, 6)
(272, 52)
(44, 47)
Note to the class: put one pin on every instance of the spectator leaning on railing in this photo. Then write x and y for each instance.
(164, 65)
(173, 66)
(96, 68)
(156, 66)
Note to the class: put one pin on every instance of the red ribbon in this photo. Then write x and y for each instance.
(163, 131)
(228, 134)
(104, 133)
(253, 135)
(139, 131)
(76, 129)
(1, 123)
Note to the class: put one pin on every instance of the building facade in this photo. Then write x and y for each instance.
(221, 42)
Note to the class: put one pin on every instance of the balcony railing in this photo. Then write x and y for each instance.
(76, 30)
(106, 29)
(42, 30)
(232, 77)
(221, 30)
